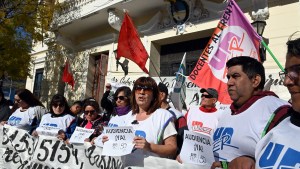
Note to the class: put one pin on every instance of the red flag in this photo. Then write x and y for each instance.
(233, 37)
(67, 76)
(130, 45)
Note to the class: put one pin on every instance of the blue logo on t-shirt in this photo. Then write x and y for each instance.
(112, 125)
(222, 137)
(140, 133)
(50, 124)
(283, 156)
(13, 120)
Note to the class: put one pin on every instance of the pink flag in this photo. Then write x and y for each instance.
(234, 36)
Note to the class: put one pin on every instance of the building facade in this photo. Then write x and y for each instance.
(86, 33)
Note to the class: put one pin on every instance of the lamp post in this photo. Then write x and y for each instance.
(259, 27)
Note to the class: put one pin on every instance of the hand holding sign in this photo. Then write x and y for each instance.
(80, 134)
(120, 141)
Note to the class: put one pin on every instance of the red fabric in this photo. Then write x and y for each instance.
(208, 110)
(88, 125)
(249, 102)
(67, 76)
(130, 45)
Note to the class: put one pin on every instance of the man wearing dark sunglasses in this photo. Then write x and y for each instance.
(203, 119)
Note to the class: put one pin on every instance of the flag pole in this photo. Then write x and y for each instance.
(271, 53)
(155, 69)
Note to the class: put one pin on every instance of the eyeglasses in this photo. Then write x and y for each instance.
(145, 88)
(292, 72)
(18, 100)
(86, 112)
(55, 105)
(206, 96)
(120, 97)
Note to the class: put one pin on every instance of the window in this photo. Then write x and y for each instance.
(171, 56)
(38, 83)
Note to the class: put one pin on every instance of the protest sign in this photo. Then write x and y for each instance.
(20, 150)
(47, 130)
(80, 134)
(120, 141)
(196, 149)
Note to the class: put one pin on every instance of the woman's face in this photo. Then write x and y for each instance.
(21, 103)
(143, 96)
(58, 108)
(90, 113)
(121, 99)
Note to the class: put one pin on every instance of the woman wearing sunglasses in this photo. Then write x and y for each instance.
(29, 112)
(58, 120)
(154, 128)
(92, 119)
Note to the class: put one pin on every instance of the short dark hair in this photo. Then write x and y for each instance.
(250, 66)
(78, 102)
(58, 98)
(293, 45)
(149, 82)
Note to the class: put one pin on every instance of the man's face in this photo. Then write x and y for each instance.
(291, 80)
(76, 109)
(240, 87)
(207, 100)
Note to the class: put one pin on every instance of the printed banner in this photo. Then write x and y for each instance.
(19, 150)
(233, 37)
(197, 149)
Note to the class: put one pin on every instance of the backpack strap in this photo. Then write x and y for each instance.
(278, 115)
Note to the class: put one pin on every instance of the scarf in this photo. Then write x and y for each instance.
(120, 111)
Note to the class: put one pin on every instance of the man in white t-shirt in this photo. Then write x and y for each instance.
(242, 126)
(204, 119)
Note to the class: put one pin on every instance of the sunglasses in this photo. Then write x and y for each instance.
(89, 112)
(120, 97)
(56, 105)
(206, 96)
(146, 88)
(18, 100)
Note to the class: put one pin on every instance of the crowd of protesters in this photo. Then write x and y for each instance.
(254, 123)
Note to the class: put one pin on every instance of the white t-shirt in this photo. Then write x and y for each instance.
(280, 148)
(22, 119)
(156, 128)
(202, 122)
(237, 135)
(51, 125)
(117, 121)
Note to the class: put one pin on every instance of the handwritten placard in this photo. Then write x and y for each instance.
(47, 130)
(196, 149)
(80, 134)
(120, 141)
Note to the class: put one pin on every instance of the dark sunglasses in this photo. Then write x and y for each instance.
(120, 97)
(18, 100)
(89, 112)
(56, 105)
(206, 96)
(138, 87)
